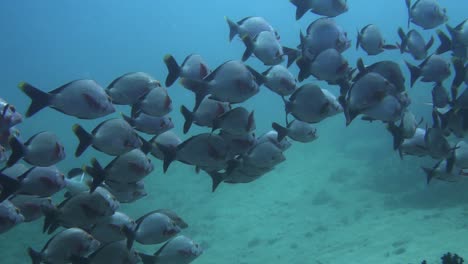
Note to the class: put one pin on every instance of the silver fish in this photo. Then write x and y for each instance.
(249, 26)
(31, 206)
(205, 114)
(126, 192)
(458, 44)
(65, 246)
(10, 216)
(153, 228)
(272, 136)
(155, 103)
(370, 39)
(115, 252)
(329, 65)
(297, 131)
(413, 43)
(232, 82)
(112, 228)
(179, 250)
(329, 8)
(267, 49)
(264, 155)
(237, 121)
(129, 167)
(238, 144)
(390, 70)
(113, 137)
(323, 33)
(193, 67)
(38, 181)
(9, 117)
(426, 13)
(168, 140)
(129, 88)
(415, 146)
(153, 125)
(83, 99)
(43, 149)
(434, 68)
(280, 80)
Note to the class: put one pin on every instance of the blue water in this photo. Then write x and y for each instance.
(343, 196)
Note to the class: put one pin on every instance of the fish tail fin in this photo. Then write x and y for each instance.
(304, 69)
(188, 116)
(130, 235)
(350, 116)
(259, 78)
(292, 55)
(358, 39)
(429, 174)
(216, 178)
(17, 151)
(36, 256)
(390, 47)
(415, 72)
(199, 87)
(233, 28)
(39, 99)
(281, 130)
(85, 139)
(404, 40)
(408, 6)
(445, 42)
(9, 186)
(173, 69)
(396, 133)
(128, 119)
(147, 259)
(429, 43)
(301, 8)
(169, 154)
(249, 47)
(146, 146)
(459, 74)
(96, 172)
(50, 219)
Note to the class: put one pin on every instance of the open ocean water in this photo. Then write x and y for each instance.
(344, 198)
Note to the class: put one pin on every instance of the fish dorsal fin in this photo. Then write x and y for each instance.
(265, 73)
(360, 66)
(425, 61)
(460, 26)
(186, 59)
(118, 79)
(157, 253)
(293, 96)
(212, 74)
(240, 22)
(27, 143)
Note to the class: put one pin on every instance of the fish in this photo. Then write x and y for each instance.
(126, 192)
(434, 68)
(311, 104)
(77, 182)
(31, 206)
(322, 34)
(112, 228)
(267, 49)
(44, 149)
(113, 137)
(440, 97)
(238, 144)
(129, 88)
(167, 140)
(370, 39)
(193, 67)
(413, 43)
(406, 129)
(441, 171)
(179, 250)
(82, 210)
(329, 8)
(280, 80)
(156, 102)
(426, 13)
(367, 92)
(84, 99)
(205, 114)
(10, 216)
(272, 137)
(249, 26)
(174, 217)
(231, 82)
(390, 70)
(264, 155)
(114, 252)
(414, 146)
(65, 247)
(38, 181)
(390, 109)
(202, 150)
(9, 117)
(459, 42)
(329, 65)
(237, 121)
(152, 228)
(296, 130)
(455, 121)
(129, 167)
(461, 76)
(152, 125)
(437, 144)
